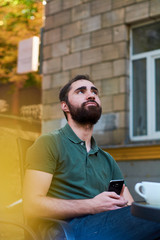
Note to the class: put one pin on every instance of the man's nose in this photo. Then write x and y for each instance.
(90, 95)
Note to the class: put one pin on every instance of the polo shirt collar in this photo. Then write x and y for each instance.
(71, 134)
(74, 138)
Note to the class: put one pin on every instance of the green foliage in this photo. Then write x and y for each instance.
(19, 20)
(31, 80)
(26, 11)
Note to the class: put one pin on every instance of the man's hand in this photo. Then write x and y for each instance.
(108, 201)
(36, 203)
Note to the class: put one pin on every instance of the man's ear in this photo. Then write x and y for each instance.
(64, 107)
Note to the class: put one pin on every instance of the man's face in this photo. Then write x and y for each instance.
(84, 103)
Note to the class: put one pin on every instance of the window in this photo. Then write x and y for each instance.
(145, 82)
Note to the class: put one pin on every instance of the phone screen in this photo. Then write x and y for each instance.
(116, 186)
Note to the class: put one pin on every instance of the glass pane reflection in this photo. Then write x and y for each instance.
(157, 71)
(146, 38)
(139, 98)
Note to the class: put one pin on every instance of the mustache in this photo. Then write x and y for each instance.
(83, 104)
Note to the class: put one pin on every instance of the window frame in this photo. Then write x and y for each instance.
(150, 57)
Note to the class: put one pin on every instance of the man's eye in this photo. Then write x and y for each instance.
(95, 92)
(80, 92)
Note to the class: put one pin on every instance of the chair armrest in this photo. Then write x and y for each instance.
(25, 228)
(64, 225)
(14, 203)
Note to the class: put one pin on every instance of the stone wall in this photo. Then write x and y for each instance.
(92, 37)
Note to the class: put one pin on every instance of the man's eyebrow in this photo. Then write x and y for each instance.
(84, 88)
(81, 88)
(94, 88)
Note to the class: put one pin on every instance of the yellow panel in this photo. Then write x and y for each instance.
(135, 153)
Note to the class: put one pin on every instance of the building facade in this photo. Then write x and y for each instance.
(116, 42)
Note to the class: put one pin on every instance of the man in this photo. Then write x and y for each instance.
(68, 175)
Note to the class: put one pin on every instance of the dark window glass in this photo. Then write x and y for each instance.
(139, 98)
(157, 76)
(146, 38)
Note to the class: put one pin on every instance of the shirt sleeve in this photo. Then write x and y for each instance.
(42, 155)
(116, 172)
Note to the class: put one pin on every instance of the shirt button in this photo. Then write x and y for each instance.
(82, 143)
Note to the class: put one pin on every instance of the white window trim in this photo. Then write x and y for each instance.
(150, 57)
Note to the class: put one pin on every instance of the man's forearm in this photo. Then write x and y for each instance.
(57, 208)
(63, 209)
(37, 204)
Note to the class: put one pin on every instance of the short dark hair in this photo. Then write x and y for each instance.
(63, 95)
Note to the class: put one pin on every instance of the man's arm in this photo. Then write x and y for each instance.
(37, 204)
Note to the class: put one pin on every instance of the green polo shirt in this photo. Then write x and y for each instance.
(77, 174)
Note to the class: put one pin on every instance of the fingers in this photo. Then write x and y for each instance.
(108, 201)
(117, 200)
(120, 202)
(113, 195)
(116, 207)
(117, 204)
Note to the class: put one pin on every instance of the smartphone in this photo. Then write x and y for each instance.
(116, 186)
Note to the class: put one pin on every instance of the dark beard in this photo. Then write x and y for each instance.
(83, 115)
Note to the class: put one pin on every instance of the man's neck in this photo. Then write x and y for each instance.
(84, 132)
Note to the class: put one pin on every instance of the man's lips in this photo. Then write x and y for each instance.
(91, 103)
